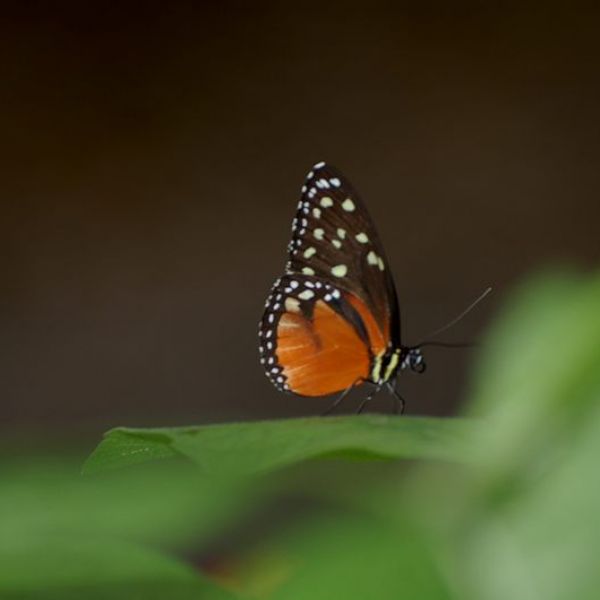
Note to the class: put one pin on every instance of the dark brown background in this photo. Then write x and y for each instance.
(153, 156)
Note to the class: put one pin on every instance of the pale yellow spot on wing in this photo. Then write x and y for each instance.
(362, 237)
(292, 305)
(348, 205)
(309, 252)
(339, 270)
(326, 202)
(308, 271)
(319, 233)
(372, 258)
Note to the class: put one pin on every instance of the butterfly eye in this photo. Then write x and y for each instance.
(414, 360)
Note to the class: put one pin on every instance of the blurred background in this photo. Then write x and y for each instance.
(152, 160)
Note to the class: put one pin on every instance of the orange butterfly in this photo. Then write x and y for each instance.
(332, 321)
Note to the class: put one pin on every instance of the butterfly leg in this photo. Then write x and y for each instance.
(337, 401)
(366, 401)
(399, 402)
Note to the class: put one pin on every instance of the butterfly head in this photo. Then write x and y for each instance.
(413, 360)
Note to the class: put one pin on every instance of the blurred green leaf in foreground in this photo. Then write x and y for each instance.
(498, 504)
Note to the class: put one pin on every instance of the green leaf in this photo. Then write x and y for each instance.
(115, 534)
(119, 448)
(164, 503)
(541, 540)
(63, 567)
(357, 556)
(539, 370)
(251, 448)
(529, 527)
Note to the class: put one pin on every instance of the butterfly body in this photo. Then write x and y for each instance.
(332, 321)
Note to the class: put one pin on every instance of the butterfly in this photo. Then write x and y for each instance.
(332, 322)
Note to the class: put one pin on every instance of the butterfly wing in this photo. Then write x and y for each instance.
(335, 308)
(316, 339)
(334, 238)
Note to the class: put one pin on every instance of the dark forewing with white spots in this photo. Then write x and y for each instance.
(334, 239)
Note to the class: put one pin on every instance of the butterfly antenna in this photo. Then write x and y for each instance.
(428, 341)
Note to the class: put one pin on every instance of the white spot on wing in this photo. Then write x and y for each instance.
(362, 237)
(348, 205)
(372, 258)
(339, 270)
(319, 165)
(316, 213)
(292, 305)
(341, 233)
(306, 295)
